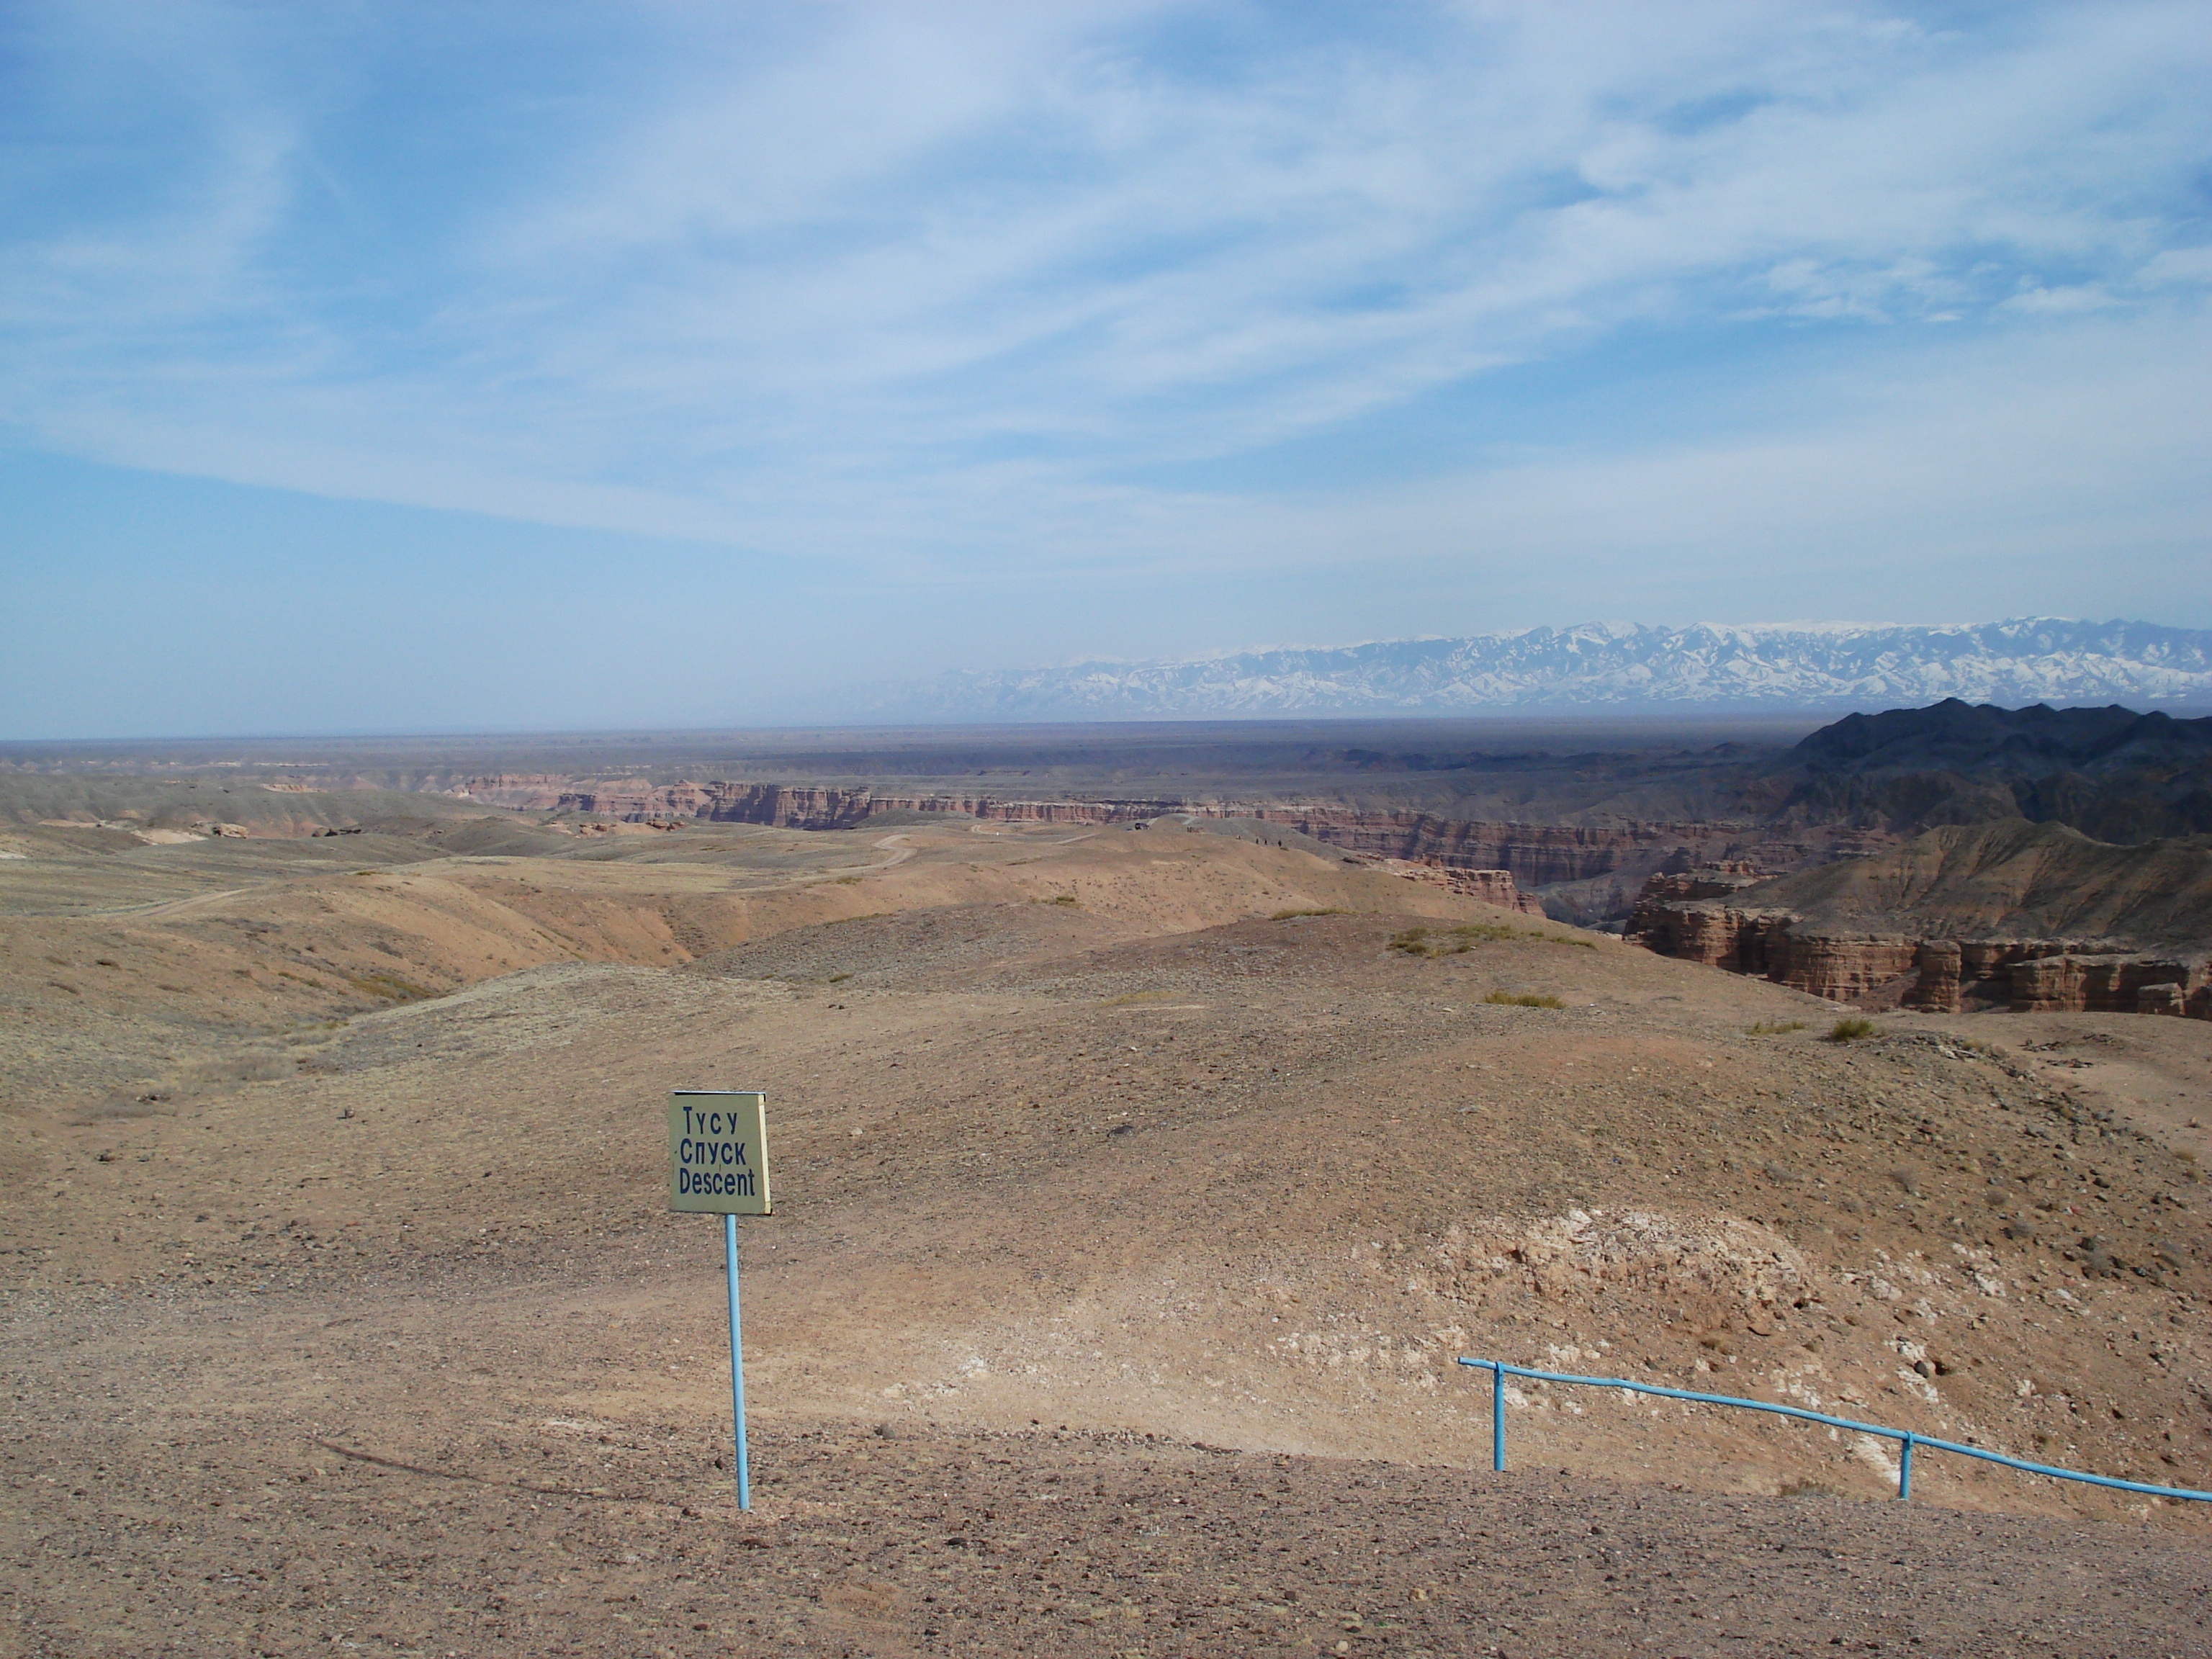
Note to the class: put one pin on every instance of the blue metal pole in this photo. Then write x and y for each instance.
(1498, 1418)
(737, 1364)
(1904, 1468)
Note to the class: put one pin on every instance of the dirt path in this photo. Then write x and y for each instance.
(905, 851)
(177, 906)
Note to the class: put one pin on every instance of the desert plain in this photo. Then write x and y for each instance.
(1137, 1193)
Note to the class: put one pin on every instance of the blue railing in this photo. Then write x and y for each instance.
(1907, 1438)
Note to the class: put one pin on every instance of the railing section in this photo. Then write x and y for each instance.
(1908, 1439)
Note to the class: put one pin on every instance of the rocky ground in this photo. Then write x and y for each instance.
(1136, 1193)
(451, 1517)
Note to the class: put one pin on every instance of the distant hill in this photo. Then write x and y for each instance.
(2110, 773)
(1609, 666)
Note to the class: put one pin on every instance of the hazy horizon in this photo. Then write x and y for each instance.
(936, 705)
(547, 367)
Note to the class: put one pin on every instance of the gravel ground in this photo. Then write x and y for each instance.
(571, 1536)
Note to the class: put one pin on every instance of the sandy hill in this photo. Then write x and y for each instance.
(1136, 1193)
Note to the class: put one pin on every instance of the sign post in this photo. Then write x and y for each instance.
(718, 1165)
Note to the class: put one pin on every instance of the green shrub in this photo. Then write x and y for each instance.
(1457, 941)
(1773, 1027)
(1524, 999)
(1292, 915)
(1850, 1029)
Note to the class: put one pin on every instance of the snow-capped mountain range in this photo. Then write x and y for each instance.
(1612, 665)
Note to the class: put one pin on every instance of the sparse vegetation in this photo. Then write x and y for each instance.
(845, 881)
(1059, 898)
(1524, 999)
(1850, 1029)
(1774, 1027)
(1810, 1488)
(836, 979)
(1457, 941)
(389, 986)
(1292, 915)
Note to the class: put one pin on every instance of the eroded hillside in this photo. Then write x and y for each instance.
(1134, 1141)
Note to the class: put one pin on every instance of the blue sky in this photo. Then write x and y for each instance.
(390, 366)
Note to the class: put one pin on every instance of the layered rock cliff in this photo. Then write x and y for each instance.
(1536, 854)
(1495, 887)
(2033, 917)
(790, 806)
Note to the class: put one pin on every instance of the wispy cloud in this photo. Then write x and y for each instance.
(941, 290)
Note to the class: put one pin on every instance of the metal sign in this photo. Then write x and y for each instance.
(718, 1151)
(718, 1165)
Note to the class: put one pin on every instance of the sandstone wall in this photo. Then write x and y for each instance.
(1491, 886)
(1768, 944)
(1941, 975)
(2114, 983)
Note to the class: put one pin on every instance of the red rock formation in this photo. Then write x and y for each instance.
(1767, 944)
(1893, 929)
(1948, 975)
(1717, 935)
(1955, 975)
(520, 791)
(2114, 983)
(1651, 917)
(1495, 887)
(1841, 967)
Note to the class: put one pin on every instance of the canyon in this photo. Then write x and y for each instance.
(1534, 855)
(1789, 862)
(2031, 918)
(1146, 1157)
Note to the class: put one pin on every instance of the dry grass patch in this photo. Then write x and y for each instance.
(389, 986)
